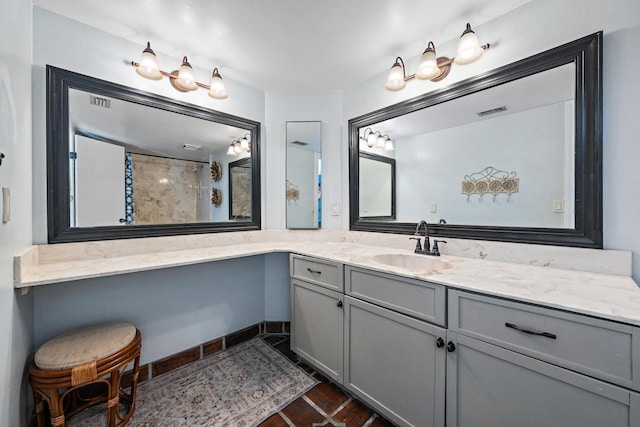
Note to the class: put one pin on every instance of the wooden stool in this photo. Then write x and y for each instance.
(97, 355)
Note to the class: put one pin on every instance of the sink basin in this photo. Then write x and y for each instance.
(413, 262)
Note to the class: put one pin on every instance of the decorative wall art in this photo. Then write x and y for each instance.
(216, 197)
(216, 171)
(490, 181)
(293, 192)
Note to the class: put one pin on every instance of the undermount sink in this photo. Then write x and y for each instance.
(413, 262)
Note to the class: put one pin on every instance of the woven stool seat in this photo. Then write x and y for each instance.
(93, 358)
(84, 345)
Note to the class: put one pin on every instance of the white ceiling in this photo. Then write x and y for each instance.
(285, 44)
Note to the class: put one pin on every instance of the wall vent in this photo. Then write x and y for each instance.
(492, 111)
(300, 143)
(99, 102)
(191, 147)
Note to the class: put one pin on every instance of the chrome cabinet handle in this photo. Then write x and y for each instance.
(439, 342)
(314, 271)
(529, 332)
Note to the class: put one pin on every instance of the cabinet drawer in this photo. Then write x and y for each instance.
(323, 273)
(415, 298)
(490, 386)
(595, 347)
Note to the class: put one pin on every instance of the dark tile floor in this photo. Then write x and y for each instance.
(326, 404)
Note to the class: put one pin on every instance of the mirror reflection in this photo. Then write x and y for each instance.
(125, 163)
(498, 157)
(377, 186)
(132, 164)
(304, 174)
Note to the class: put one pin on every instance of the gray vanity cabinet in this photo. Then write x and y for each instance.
(515, 364)
(317, 314)
(394, 333)
(393, 363)
(492, 386)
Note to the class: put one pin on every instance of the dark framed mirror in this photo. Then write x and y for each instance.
(125, 163)
(480, 155)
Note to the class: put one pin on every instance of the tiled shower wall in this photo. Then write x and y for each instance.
(169, 191)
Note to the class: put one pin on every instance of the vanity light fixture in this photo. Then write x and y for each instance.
(376, 140)
(183, 80)
(239, 146)
(436, 68)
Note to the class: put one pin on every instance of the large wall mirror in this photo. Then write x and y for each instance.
(304, 175)
(510, 155)
(125, 163)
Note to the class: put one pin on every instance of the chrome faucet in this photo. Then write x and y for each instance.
(427, 245)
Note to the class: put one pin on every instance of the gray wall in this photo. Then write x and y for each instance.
(16, 312)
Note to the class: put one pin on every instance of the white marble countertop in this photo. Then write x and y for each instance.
(609, 296)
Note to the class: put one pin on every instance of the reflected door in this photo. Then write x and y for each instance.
(98, 198)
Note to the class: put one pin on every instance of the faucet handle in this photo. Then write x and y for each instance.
(418, 245)
(436, 249)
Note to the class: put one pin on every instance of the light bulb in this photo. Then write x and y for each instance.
(469, 50)
(428, 67)
(148, 64)
(217, 89)
(395, 80)
(186, 80)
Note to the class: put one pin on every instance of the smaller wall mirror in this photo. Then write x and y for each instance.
(304, 175)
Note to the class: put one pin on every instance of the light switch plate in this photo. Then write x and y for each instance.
(6, 205)
(335, 208)
(558, 206)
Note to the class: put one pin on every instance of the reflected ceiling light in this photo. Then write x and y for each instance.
(183, 80)
(436, 68)
(376, 140)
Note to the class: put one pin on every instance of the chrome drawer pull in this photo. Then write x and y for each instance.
(526, 331)
(314, 271)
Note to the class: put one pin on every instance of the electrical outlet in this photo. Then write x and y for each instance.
(335, 208)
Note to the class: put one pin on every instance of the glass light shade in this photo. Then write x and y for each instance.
(372, 140)
(380, 141)
(231, 150)
(148, 64)
(469, 49)
(186, 79)
(388, 145)
(244, 144)
(236, 147)
(395, 81)
(217, 89)
(428, 67)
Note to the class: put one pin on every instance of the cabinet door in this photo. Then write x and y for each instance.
(393, 363)
(491, 386)
(316, 327)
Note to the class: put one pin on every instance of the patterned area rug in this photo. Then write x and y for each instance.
(238, 387)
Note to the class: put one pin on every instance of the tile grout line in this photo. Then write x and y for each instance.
(341, 407)
(286, 420)
(370, 420)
